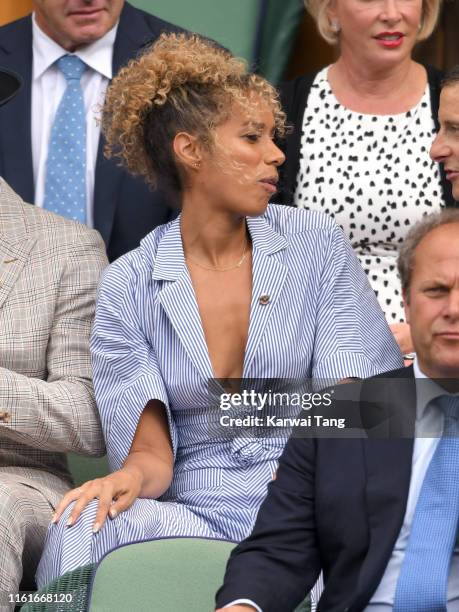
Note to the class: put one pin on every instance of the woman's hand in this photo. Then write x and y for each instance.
(402, 335)
(115, 493)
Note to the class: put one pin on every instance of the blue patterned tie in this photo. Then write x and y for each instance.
(65, 184)
(423, 581)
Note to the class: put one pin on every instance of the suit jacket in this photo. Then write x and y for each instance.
(294, 97)
(125, 209)
(337, 504)
(49, 270)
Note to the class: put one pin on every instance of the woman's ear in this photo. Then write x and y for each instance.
(187, 150)
(332, 16)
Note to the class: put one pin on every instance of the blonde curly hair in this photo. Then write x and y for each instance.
(182, 83)
(318, 10)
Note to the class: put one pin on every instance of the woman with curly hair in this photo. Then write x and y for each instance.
(232, 289)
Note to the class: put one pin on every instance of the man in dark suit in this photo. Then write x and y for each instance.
(377, 512)
(120, 206)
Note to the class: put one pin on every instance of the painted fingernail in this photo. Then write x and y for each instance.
(70, 522)
(112, 513)
(96, 527)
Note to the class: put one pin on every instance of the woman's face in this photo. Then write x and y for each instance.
(240, 173)
(378, 32)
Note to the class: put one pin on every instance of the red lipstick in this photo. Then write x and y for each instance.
(390, 40)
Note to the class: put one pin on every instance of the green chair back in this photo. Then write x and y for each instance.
(68, 593)
(167, 575)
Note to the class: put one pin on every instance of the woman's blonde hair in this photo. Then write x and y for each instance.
(182, 83)
(318, 10)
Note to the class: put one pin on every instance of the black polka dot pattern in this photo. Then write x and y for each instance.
(373, 174)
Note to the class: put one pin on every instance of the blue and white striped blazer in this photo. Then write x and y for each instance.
(322, 321)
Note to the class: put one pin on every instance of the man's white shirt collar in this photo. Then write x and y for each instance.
(98, 55)
(426, 390)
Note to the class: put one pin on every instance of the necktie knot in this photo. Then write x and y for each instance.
(71, 66)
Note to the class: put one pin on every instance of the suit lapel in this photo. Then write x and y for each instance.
(179, 303)
(269, 275)
(388, 453)
(132, 34)
(178, 299)
(13, 257)
(15, 245)
(15, 132)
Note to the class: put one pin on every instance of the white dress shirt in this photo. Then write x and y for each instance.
(48, 86)
(428, 429)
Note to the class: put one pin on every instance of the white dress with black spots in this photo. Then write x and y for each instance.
(373, 174)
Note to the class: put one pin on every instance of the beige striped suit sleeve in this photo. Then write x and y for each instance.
(50, 405)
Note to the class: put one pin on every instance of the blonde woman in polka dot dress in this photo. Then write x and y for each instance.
(363, 128)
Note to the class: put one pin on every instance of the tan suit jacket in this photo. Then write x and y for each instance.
(49, 270)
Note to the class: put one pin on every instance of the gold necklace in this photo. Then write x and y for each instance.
(238, 265)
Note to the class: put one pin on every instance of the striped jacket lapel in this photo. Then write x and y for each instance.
(178, 299)
(268, 279)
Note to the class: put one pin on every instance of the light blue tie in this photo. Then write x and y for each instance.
(423, 581)
(65, 183)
